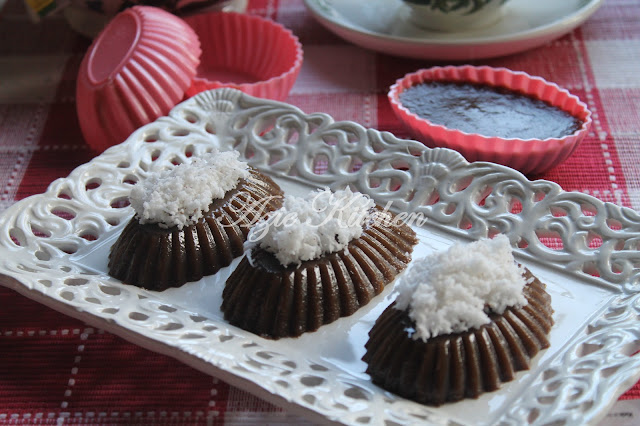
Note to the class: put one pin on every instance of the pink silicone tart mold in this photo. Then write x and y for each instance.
(249, 53)
(136, 70)
(503, 141)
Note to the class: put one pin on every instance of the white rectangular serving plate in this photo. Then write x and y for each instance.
(54, 248)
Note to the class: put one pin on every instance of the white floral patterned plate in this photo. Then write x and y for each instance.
(53, 249)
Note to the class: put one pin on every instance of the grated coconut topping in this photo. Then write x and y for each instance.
(452, 291)
(307, 228)
(180, 196)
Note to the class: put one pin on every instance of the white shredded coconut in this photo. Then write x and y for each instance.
(450, 291)
(181, 195)
(306, 228)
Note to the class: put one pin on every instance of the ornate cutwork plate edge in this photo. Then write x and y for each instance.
(599, 245)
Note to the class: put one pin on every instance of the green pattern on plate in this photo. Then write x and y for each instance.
(446, 6)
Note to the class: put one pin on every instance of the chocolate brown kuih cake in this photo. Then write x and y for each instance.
(156, 258)
(275, 301)
(450, 367)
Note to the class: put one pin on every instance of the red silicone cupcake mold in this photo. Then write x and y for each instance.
(530, 156)
(255, 55)
(136, 70)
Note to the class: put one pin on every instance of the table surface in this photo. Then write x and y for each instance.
(55, 369)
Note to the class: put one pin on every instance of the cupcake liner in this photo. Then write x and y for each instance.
(244, 52)
(136, 70)
(530, 156)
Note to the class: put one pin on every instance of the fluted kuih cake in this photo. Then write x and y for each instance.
(450, 367)
(157, 258)
(275, 301)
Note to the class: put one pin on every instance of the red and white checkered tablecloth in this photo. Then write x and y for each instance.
(55, 369)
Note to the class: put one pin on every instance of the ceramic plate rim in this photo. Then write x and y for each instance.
(559, 27)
